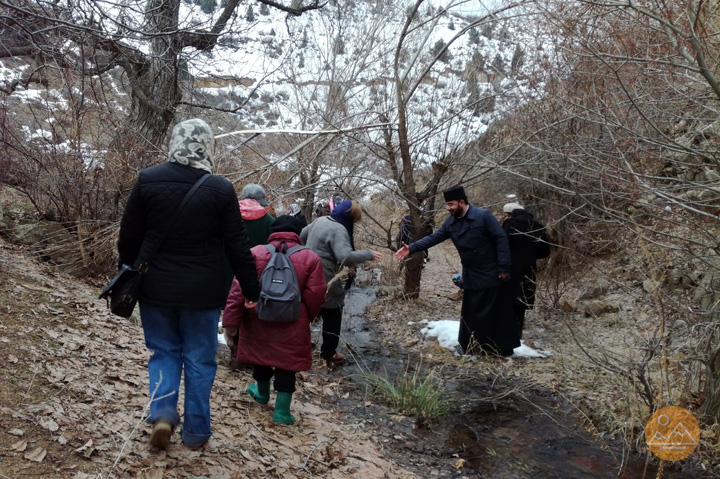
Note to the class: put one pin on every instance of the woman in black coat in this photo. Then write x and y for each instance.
(528, 243)
(183, 289)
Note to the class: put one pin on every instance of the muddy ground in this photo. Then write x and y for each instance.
(74, 394)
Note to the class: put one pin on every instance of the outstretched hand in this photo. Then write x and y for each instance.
(403, 252)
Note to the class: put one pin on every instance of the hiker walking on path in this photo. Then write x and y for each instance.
(486, 317)
(331, 237)
(277, 349)
(296, 212)
(182, 290)
(528, 243)
(258, 223)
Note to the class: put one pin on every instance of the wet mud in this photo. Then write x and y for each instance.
(499, 427)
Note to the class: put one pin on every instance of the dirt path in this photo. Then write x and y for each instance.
(74, 395)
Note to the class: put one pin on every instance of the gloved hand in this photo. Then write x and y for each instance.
(230, 336)
(457, 281)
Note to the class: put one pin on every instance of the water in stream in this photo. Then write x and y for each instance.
(528, 433)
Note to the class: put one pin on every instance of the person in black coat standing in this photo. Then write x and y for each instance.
(528, 243)
(183, 290)
(486, 323)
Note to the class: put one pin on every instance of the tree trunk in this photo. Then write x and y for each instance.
(413, 275)
(154, 83)
(711, 406)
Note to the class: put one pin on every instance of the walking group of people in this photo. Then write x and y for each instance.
(205, 243)
(210, 249)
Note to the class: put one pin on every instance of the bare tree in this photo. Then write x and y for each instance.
(148, 41)
(418, 145)
(625, 139)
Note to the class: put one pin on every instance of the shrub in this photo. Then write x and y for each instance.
(417, 393)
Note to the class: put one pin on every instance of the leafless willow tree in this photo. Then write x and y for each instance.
(112, 77)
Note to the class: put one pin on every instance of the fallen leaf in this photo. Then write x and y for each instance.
(85, 446)
(36, 455)
(16, 432)
(459, 464)
(19, 446)
(13, 359)
(156, 474)
(50, 425)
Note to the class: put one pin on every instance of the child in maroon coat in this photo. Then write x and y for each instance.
(277, 349)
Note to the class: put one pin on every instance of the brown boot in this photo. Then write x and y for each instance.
(335, 360)
(160, 436)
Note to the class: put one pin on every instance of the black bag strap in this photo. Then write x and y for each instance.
(288, 251)
(142, 265)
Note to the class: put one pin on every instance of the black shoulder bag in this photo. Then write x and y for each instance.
(123, 291)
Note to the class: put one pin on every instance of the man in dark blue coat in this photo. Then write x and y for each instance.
(487, 317)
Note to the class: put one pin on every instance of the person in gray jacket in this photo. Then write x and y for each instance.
(331, 238)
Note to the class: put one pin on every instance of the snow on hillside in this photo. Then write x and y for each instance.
(281, 69)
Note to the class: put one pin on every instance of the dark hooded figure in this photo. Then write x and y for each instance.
(487, 320)
(296, 212)
(528, 243)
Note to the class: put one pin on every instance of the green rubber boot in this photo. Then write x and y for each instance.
(282, 409)
(260, 391)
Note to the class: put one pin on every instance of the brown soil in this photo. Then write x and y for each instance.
(74, 395)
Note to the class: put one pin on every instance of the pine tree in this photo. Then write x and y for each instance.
(249, 14)
(474, 36)
(439, 45)
(518, 60)
(207, 6)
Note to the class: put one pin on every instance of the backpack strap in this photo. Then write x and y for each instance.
(142, 263)
(288, 251)
(295, 249)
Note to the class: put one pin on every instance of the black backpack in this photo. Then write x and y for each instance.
(280, 297)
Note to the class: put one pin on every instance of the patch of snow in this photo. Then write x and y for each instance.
(446, 331)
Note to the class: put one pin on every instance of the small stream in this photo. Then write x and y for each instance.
(528, 433)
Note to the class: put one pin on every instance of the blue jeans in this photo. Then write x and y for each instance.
(181, 338)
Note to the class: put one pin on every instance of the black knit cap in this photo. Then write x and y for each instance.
(456, 193)
(287, 223)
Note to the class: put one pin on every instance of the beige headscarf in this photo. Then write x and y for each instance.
(192, 143)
